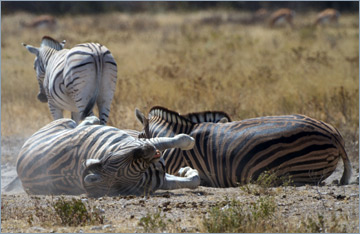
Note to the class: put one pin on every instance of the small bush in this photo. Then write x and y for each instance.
(235, 217)
(153, 222)
(76, 213)
(265, 181)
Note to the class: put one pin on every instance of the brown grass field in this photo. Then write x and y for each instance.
(195, 61)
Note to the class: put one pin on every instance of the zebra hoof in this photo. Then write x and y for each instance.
(192, 175)
(187, 172)
(90, 120)
(42, 97)
(186, 142)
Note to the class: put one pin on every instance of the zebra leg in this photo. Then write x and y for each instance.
(90, 120)
(107, 88)
(55, 112)
(76, 117)
(189, 179)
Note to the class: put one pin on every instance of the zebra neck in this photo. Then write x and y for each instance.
(168, 123)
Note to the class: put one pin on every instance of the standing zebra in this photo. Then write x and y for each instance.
(235, 153)
(66, 158)
(75, 79)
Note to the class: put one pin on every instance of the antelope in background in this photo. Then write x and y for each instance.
(327, 16)
(42, 21)
(281, 16)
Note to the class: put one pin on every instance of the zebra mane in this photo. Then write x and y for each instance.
(169, 115)
(208, 116)
(190, 118)
(52, 43)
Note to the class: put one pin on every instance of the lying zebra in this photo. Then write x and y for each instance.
(75, 79)
(63, 158)
(235, 153)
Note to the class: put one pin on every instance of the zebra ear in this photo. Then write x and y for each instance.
(89, 176)
(62, 44)
(31, 49)
(223, 120)
(144, 121)
(140, 116)
(92, 178)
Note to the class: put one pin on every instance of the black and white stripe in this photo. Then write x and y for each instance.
(66, 158)
(234, 153)
(75, 79)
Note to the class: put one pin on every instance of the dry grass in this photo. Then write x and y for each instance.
(192, 62)
(186, 63)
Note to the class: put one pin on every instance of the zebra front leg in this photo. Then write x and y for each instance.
(189, 178)
(76, 117)
(56, 113)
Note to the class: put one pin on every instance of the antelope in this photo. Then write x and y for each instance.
(283, 15)
(42, 21)
(327, 16)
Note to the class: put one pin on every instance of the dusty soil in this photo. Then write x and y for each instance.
(185, 208)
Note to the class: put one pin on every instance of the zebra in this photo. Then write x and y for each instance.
(75, 79)
(70, 159)
(233, 153)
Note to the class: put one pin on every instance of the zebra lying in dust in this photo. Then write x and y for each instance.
(65, 158)
(235, 153)
(75, 79)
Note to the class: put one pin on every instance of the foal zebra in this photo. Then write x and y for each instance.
(65, 158)
(75, 79)
(235, 153)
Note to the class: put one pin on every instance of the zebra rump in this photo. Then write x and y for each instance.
(229, 154)
(75, 79)
(66, 158)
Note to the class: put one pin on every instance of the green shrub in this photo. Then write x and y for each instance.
(75, 213)
(235, 217)
(153, 222)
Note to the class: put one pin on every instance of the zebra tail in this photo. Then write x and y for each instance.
(347, 168)
(90, 105)
(88, 109)
(345, 179)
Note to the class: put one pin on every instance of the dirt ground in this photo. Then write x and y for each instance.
(185, 208)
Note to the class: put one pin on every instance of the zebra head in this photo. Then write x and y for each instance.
(42, 56)
(120, 172)
(127, 170)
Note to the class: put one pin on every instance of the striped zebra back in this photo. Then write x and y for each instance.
(208, 116)
(229, 154)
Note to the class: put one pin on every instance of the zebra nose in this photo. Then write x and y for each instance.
(145, 151)
(157, 154)
(42, 97)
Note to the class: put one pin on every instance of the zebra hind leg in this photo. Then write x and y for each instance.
(187, 172)
(90, 120)
(189, 178)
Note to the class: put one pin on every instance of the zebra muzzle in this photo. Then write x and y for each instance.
(157, 154)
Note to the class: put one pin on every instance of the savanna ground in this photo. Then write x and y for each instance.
(206, 60)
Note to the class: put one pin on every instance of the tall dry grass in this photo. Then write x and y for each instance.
(193, 62)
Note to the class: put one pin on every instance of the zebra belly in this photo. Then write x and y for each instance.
(49, 162)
